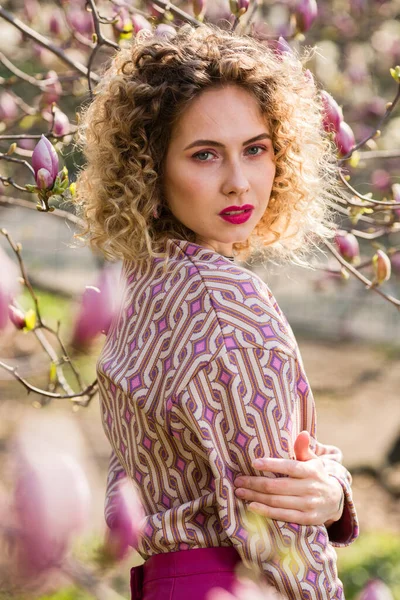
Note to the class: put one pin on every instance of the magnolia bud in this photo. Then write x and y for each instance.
(55, 24)
(45, 163)
(51, 498)
(97, 309)
(61, 123)
(16, 316)
(53, 90)
(239, 7)
(347, 245)
(381, 179)
(199, 7)
(8, 108)
(333, 114)
(8, 286)
(375, 589)
(282, 47)
(127, 521)
(344, 138)
(305, 12)
(382, 267)
(139, 22)
(165, 31)
(80, 20)
(309, 77)
(44, 180)
(31, 10)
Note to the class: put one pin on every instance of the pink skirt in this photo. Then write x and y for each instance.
(183, 575)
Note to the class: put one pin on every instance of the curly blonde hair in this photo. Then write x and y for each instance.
(125, 131)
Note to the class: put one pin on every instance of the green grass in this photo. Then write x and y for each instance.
(373, 555)
(52, 308)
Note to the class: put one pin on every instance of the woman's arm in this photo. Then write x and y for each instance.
(327, 497)
(115, 474)
(249, 403)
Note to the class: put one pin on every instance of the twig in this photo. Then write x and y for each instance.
(100, 41)
(372, 154)
(389, 109)
(41, 84)
(89, 391)
(178, 12)
(42, 41)
(359, 276)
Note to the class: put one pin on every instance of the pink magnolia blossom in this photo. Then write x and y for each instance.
(8, 108)
(98, 306)
(80, 20)
(282, 47)
(53, 89)
(165, 31)
(199, 7)
(8, 286)
(333, 114)
(344, 138)
(51, 496)
(56, 23)
(382, 267)
(31, 10)
(140, 22)
(17, 317)
(45, 163)
(126, 523)
(381, 179)
(305, 12)
(347, 245)
(62, 125)
(375, 589)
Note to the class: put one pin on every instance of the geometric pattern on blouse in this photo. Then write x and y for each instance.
(200, 373)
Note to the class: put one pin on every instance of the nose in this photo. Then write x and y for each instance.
(235, 181)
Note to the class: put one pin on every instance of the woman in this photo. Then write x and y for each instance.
(203, 148)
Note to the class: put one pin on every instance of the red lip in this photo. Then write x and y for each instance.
(230, 208)
(239, 218)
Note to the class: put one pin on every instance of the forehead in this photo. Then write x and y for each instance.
(221, 111)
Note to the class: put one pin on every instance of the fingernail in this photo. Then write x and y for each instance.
(240, 493)
(259, 462)
(239, 481)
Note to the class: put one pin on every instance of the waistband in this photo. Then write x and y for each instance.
(189, 562)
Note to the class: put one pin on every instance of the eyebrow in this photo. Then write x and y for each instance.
(262, 136)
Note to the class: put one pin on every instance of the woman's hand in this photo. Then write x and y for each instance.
(308, 496)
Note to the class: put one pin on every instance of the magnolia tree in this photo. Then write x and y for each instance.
(50, 58)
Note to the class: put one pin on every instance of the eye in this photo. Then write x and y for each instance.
(198, 154)
(257, 147)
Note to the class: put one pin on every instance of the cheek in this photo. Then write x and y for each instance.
(191, 183)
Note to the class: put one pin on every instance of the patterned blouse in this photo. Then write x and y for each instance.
(199, 375)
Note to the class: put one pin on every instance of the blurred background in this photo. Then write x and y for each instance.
(348, 336)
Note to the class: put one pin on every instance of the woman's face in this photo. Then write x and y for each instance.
(211, 164)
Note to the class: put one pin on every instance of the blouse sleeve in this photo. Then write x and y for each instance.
(344, 531)
(115, 474)
(245, 404)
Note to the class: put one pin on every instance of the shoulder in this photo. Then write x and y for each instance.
(247, 311)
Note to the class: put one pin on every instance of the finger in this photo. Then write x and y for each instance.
(299, 503)
(285, 466)
(277, 485)
(288, 516)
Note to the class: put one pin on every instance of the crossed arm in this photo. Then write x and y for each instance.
(317, 490)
